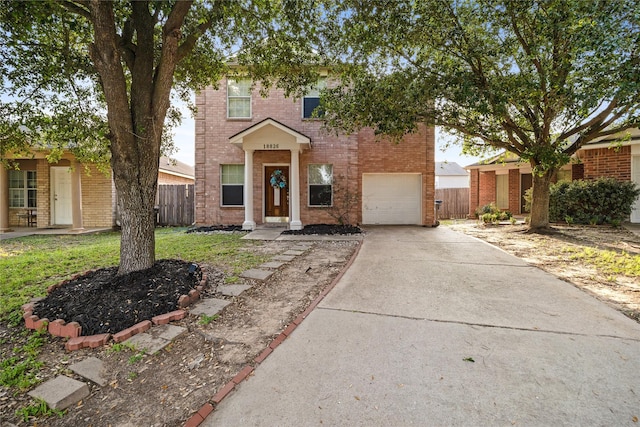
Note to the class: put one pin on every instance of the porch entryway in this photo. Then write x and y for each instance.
(283, 203)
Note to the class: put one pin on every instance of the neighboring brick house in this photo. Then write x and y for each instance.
(174, 172)
(504, 179)
(62, 194)
(267, 160)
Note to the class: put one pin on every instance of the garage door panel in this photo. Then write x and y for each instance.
(391, 199)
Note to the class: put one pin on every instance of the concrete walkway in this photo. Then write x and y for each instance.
(432, 327)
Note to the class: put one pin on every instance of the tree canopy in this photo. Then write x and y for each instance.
(538, 78)
(98, 77)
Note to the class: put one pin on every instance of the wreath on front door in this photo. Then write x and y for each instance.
(278, 180)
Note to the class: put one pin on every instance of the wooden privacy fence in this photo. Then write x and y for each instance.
(455, 203)
(176, 204)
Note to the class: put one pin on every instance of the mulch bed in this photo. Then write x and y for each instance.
(102, 302)
(326, 229)
(211, 228)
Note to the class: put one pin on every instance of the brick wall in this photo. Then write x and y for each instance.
(96, 198)
(607, 162)
(487, 188)
(347, 154)
(170, 179)
(514, 191)
(474, 191)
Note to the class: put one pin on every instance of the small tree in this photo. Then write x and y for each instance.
(345, 200)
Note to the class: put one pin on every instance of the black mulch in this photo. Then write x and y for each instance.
(210, 228)
(329, 229)
(102, 302)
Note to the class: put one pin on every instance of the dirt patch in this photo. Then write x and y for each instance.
(555, 253)
(166, 388)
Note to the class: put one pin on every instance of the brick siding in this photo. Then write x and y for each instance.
(351, 156)
(607, 162)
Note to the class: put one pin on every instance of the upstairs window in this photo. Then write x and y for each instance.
(311, 100)
(232, 183)
(22, 189)
(239, 99)
(320, 185)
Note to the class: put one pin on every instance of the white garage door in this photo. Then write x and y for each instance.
(391, 198)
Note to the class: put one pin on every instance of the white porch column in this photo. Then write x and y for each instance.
(294, 191)
(249, 223)
(76, 198)
(4, 199)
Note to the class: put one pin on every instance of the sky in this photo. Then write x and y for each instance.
(184, 138)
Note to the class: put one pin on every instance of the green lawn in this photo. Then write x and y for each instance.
(29, 265)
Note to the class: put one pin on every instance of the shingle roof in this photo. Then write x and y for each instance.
(449, 169)
(176, 167)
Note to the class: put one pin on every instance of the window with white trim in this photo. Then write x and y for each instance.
(232, 185)
(321, 185)
(311, 101)
(22, 189)
(239, 98)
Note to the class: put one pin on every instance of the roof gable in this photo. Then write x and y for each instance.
(270, 134)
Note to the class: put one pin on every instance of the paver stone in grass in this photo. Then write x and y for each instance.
(209, 306)
(92, 369)
(257, 274)
(61, 392)
(232, 290)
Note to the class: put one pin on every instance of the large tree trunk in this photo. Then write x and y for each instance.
(136, 184)
(136, 119)
(540, 200)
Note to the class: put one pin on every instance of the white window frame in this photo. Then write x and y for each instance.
(223, 184)
(311, 184)
(27, 177)
(314, 93)
(231, 96)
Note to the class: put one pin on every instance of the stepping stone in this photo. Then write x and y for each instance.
(272, 264)
(300, 247)
(92, 369)
(285, 258)
(61, 392)
(292, 252)
(257, 274)
(232, 290)
(209, 306)
(156, 338)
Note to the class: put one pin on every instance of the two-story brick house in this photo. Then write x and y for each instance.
(262, 160)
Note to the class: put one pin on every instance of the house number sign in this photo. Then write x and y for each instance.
(271, 146)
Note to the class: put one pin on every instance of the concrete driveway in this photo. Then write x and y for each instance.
(433, 327)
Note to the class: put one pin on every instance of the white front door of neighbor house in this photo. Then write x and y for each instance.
(61, 208)
(391, 198)
(635, 177)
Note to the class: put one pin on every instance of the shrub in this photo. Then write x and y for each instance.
(491, 214)
(602, 201)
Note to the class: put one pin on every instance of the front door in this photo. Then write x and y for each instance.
(61, 196)
(276, 189)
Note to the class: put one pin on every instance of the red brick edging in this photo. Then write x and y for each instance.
(73, 330)
(196, 419)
